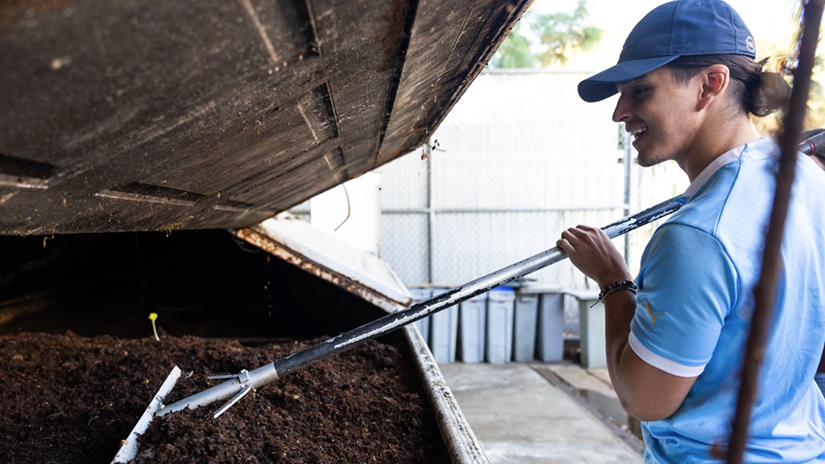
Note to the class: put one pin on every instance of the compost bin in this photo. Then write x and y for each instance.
(79, 359)
(124, 124)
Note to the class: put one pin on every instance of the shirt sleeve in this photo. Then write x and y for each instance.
(687, 286)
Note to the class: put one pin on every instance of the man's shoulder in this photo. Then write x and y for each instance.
(737, 189)
(705, 208)
(678, 247)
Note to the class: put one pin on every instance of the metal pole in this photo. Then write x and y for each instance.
(501, 209)
(764, 292)
(628, 166)
(271, 372)
(431, 211)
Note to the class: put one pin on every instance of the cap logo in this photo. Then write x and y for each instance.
(750, 44)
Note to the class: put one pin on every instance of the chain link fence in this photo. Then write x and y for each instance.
(518, 160)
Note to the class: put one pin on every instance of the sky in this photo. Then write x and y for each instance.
(617, 18)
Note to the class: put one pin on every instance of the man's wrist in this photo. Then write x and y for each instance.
(618, 277)
(617, 286)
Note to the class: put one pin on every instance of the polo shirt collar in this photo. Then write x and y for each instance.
(731, 155)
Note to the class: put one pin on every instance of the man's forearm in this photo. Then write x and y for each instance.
(619, 309)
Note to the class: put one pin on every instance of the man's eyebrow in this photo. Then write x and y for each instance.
(625, 84)
(637, 81)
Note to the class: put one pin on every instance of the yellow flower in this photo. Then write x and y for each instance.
(153, 317)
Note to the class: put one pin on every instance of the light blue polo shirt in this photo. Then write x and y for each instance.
(696, 297)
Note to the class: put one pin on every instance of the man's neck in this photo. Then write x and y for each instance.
(713, 142)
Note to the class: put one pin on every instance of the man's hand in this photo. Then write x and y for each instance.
(592, 252)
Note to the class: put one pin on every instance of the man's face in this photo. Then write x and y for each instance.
(660, 114)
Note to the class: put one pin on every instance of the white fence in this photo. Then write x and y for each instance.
(518, 160)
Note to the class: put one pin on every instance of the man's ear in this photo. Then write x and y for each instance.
(715, 80)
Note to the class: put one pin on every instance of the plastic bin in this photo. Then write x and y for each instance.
(524, 324)
(420, 294)
(550, 334)
(444, 331)
(591, 330)
(500, 324)
(473, 315)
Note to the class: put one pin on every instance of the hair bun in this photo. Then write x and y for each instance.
(768, 93)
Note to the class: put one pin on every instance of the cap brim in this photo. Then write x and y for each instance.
(603, 84)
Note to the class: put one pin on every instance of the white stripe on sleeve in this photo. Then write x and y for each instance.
(671, 367)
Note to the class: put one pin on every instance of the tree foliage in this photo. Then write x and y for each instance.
(563, 33)
(515, 51)
(555, 37)
(781, 51)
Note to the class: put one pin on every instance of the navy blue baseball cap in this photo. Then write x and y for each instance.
(672, 30)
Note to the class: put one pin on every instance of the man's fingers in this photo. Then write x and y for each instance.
(575, 232)
(574, 240)
(565, 245)
(591, 232)
(580, 236)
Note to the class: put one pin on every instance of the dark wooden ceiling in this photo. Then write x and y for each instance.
(192, 114)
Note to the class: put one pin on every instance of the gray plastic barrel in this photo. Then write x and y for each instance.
(591, 330)
(420, 294)
(473, 315)
(500, 324)
(524, 324)
(444, 332)
(550, 334)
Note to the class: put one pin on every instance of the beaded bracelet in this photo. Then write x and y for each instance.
(615, 287)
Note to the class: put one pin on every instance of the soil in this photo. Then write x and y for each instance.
(72, 399)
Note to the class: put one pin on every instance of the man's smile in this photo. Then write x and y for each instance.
(637, 133)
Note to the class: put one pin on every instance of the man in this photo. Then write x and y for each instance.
(687, 81)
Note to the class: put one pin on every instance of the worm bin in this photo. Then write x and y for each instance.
(133, 136)
(79, 361)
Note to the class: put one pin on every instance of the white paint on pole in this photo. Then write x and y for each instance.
(128, 449)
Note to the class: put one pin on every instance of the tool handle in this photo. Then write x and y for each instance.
(456, 295)
(271, 372)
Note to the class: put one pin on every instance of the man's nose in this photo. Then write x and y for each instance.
(622, 111)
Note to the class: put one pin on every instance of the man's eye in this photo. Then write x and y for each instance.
(639, 91)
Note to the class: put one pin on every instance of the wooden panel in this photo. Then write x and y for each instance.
(449, 48)
(143, 115)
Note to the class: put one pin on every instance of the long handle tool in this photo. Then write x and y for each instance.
(242, 383)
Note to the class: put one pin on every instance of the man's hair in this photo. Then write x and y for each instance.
(754, 90)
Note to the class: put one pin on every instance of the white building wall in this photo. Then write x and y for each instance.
(351, 212)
